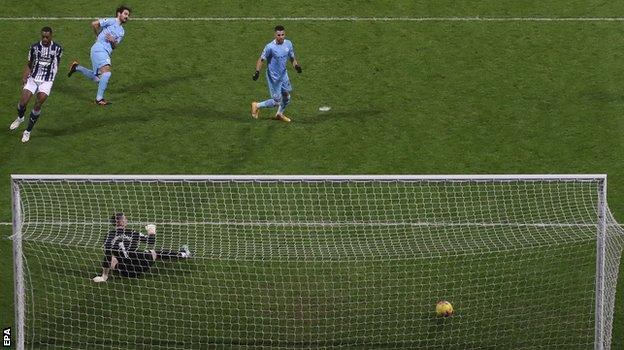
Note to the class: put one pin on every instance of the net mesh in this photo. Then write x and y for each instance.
(292, 264)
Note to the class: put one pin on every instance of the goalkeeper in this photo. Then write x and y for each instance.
(121, 250)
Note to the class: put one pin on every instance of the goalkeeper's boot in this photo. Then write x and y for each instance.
(16, 123)
(102, 102)
(25, 136)
(282, 118)
(186, 252)
(255, 110)
(72, 68)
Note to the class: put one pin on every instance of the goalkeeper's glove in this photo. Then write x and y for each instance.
(256, 75)
(298, 68)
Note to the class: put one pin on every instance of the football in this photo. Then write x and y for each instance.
(444, 309)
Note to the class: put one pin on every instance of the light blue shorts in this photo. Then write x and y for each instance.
(276, 87)
(99, 58)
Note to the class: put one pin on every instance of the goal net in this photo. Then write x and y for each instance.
(315, 262)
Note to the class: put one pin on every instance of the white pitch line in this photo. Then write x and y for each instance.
(338, 19)
(326, 224)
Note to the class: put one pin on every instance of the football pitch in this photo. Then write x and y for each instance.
(451, 94)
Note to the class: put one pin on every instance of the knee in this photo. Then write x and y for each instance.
(277, 98)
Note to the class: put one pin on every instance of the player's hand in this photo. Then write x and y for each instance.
(298, 68)
(256, 75)
(151, 229)
(110, 38)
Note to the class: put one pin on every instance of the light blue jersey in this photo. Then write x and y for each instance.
(109, 26)
(102, 49)
(277, 56)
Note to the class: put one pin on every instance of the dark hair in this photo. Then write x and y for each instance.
(47, 30)
(121, 9)
(115, 218)
(279, 28)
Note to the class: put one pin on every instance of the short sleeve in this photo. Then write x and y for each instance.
(266, 53)
(31, 53)
(291, 52)
(105, 22)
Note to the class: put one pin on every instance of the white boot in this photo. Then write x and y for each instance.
(16, 123)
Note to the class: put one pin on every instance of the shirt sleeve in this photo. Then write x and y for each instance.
(266, 53)
(59, 55)
(105, 22)
(291, 52)
(31, 54)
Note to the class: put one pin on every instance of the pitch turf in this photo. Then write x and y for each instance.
(406, 97)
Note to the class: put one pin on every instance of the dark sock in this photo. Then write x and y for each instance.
(165, 254)
(21, 110)
(33, 119)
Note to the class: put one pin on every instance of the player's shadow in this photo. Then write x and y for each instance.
(332, 117)
(147, 86)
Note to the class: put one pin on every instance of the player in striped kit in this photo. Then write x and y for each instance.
(44, 58)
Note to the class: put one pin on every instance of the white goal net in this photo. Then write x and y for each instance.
(314, 262)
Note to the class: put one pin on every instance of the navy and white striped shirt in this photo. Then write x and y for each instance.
(44, 61)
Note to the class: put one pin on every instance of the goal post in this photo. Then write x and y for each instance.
(314, 261)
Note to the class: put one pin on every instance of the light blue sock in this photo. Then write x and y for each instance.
(102, 85)
(282, 106)
(270, 103)
(86, 72)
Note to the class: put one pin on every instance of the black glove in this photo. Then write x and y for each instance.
(298, 68)
(256, 75)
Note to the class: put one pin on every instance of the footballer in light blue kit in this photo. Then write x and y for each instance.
(109, 33)
(277, 53)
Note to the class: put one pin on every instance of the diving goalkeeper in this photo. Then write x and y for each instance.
(121, 250)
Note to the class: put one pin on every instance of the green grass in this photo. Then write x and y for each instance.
(407, 97)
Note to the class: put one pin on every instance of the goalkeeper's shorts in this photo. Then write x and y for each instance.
(135, 264)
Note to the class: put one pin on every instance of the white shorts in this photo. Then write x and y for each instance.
(38, 86)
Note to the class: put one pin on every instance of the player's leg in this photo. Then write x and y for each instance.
(27, 92)
(107, 266)
(285, 91)
(35, 112)
(166, 254)
(276, 97)
(105, 74)
(98, 59)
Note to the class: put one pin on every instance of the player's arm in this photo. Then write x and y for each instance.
(96, 27)
(59, 56)
(109, 260)
(296, 64)
(111, 40)
(259, 63)
(150, 238)
(28, 67)
(26, 72)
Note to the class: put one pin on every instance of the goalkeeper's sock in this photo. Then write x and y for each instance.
(34, 115)
(270, 103)
(86, 72)
(166, 254)
(102, 85)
